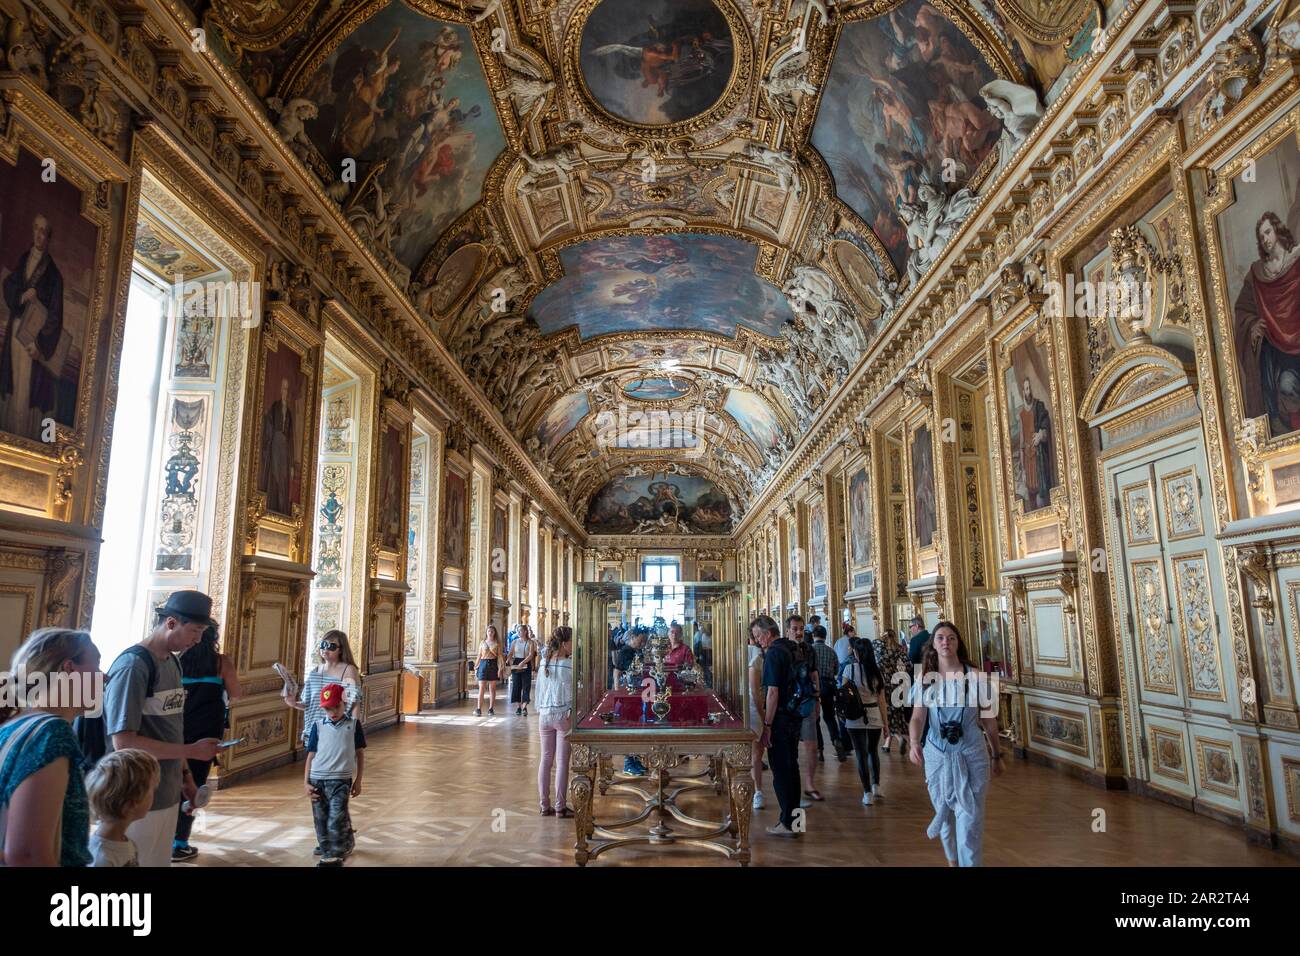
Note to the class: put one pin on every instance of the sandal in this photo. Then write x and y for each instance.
(814, 795)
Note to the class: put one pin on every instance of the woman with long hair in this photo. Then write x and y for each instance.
(335, 665)
(520, 656)
(762, 632)
(487, 670)
(890, 657)
(41, 783)
(956, 753)
(554, 711)
(211, 683)
(860, 670)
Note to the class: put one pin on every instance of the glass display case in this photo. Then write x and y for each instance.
(660, 694)
(651, 657)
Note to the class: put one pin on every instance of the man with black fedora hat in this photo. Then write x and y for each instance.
(144, 707)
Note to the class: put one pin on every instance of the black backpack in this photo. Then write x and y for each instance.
(848, 702)
(92, 732)
(802, 694)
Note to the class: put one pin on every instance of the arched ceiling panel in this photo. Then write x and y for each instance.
(901, 108)
(661, 503)
(404, 97)
(635, 283)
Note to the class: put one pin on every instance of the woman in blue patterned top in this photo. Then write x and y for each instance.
(42, 787)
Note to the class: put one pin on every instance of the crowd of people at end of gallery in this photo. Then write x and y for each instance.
(117, 780)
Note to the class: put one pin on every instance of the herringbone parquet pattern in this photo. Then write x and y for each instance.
(449, 789)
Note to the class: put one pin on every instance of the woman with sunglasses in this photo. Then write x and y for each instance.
(957, 743)
(335, 666)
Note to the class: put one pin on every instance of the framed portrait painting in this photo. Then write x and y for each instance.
(1259, 283)
(924, 510)
(50, 256)
(453, 517)
(392, 499)
(284, 416)
(860, 518)
(1031, 425)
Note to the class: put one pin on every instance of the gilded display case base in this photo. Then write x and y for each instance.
(674, 769)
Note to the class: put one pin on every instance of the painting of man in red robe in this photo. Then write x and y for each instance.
(1267, 327)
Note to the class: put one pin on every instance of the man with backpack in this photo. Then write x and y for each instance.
(788, 679)
(144, 708)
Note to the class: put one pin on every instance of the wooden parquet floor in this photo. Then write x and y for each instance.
(451, 789)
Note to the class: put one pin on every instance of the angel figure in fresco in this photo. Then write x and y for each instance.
(665, 497)
(365, 75)
(1267, 319)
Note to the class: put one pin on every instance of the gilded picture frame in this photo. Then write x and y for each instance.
(270, 532)
(1264, 448)
(47, 478)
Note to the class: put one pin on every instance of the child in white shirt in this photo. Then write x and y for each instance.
(120, 789)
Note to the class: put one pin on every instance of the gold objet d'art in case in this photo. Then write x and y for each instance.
(683, 713)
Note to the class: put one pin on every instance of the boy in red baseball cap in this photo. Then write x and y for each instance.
(335, 761)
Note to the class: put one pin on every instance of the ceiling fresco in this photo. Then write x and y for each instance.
(707, 209)
(902, 109)
(659, 503)
(404, 98)
(656, 62)
(633, 283)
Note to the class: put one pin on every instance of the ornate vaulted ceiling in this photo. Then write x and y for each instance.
(658, 234)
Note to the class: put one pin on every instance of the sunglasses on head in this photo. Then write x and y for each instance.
(328, 646)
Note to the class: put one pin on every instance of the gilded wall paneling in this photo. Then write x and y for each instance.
(1131, 174)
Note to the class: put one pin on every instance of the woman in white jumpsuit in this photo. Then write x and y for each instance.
(956, 752)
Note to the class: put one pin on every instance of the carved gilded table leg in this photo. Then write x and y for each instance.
(740, 766)
(582, 764)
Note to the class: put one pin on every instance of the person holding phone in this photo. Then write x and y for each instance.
(211, 683)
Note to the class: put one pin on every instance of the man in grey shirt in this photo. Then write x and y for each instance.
(152, 719)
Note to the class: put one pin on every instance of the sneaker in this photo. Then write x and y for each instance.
(804, 802)
(477, 712)
(758, 800)
(877, 793)
(780, 829)
(518, 711)
(330, 861)
(866, 799)
(491, 712)
(633, 767)
(317, 851)
(183, 853)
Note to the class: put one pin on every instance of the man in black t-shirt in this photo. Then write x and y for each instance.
(780, 735)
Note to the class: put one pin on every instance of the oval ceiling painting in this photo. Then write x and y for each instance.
(454, 277)
(656, 388)
(682, 281)
(656, 62)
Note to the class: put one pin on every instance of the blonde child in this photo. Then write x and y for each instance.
(121, 788)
